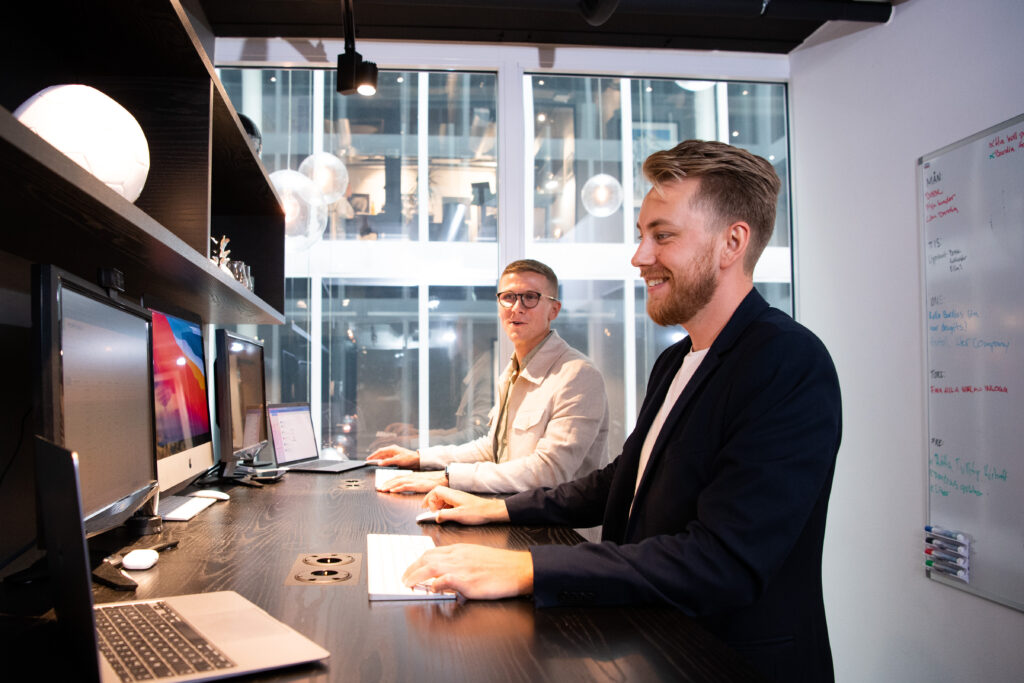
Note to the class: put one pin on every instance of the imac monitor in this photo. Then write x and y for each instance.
(184, 443)
(94, 392)
(241, 399)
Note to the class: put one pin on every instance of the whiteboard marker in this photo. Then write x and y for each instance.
(942, 569)
(934, 553)
(939, 531)
(946, 544)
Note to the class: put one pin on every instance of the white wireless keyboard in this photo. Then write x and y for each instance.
(387, 558)
(183, 508)
(382, 476)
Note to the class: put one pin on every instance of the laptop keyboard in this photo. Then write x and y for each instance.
(146, 641)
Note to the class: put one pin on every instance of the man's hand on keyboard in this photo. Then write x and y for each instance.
(465, 508)
(395, 456)
(477, 572)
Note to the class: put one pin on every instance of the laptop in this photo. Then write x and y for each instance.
(221, 634)
(295, 443)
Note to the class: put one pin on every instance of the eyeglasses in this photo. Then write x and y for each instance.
(527, 299)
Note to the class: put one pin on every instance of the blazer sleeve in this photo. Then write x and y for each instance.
(436, 457)
(769, 473)
(579, 503)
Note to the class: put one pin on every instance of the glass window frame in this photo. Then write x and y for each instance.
(514, 65)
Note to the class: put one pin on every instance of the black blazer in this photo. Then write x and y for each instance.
(729, 519)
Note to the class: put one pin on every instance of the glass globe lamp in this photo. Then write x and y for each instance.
(328, 173)
(601, 195)
(92, 129)
(305, 212)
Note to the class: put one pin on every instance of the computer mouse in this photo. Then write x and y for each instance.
(210, 493)
(143, 558)
(428, 516)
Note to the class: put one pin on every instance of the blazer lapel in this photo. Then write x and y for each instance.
(657, 392)
(620, 496)
(748, 310)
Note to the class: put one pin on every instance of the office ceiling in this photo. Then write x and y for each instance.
(770, 26)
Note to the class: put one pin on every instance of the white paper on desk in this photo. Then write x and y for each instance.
(387, 558)
(381, 477)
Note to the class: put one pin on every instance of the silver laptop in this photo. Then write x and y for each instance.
(183, 638)
(295, 443)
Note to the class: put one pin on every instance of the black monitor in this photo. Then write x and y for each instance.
(184, 440)
(94, 391)
(241, 399)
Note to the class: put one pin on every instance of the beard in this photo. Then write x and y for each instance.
(686, 297)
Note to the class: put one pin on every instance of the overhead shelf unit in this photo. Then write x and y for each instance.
(204, 180)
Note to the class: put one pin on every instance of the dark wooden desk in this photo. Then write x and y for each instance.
(250, 543)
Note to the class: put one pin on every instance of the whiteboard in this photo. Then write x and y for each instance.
(971, 196)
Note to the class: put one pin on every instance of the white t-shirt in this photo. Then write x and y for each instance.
(679, 382)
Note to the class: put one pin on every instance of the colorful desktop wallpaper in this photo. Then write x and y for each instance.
(179, 382)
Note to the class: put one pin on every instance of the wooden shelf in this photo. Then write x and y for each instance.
(59, 213)
(204, 178)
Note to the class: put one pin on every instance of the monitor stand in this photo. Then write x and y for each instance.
(106, 571)
(111, 575)
(228, 473)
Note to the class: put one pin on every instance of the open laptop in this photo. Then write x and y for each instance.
(222, 634)
(295, 444)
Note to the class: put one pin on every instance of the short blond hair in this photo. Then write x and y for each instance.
(528, 265)
(735, 185)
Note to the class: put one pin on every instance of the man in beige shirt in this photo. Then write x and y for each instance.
(550, 424)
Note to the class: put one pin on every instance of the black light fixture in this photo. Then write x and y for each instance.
(355, 75)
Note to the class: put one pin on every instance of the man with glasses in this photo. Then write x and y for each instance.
(550, 424)
(717, 504)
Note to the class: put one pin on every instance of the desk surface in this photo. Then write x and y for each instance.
(251, 543)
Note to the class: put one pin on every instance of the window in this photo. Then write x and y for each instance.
(396, 294)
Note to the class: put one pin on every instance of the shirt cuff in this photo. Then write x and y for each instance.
(458, 474)
(430, 459)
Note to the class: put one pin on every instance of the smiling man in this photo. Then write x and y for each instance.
(550, 424)
(717, 504)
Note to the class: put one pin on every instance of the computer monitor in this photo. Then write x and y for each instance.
(94, 392)
(184, 442)
(241, 399)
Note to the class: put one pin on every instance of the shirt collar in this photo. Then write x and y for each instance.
(517, 366)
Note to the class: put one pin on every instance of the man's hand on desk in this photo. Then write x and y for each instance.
(465, 508)
(396, 456)
(477, 572)
(417, 482)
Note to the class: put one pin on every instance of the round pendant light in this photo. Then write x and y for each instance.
(601, 195)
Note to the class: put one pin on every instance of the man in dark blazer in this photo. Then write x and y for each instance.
(717, 504)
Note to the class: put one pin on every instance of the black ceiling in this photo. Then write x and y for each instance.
(775, 26)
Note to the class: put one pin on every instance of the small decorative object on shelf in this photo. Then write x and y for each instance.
(219, 256)
(93, 130)
(241, 271)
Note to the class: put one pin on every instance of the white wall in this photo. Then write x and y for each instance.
(864, 108)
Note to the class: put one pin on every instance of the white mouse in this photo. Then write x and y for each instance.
(210, 493)
(428, 516)
(143, 558)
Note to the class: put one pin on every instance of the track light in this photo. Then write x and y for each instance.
(355, 75)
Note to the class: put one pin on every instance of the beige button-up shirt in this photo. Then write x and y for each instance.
(557, 427)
